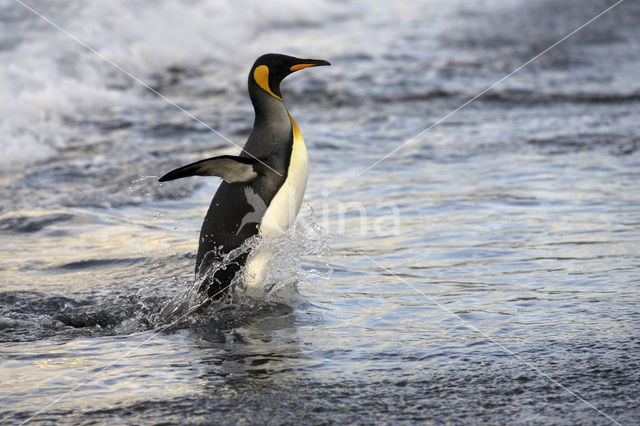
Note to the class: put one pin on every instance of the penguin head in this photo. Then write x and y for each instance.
(269, 70)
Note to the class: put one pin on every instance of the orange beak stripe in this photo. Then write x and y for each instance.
(301, 66)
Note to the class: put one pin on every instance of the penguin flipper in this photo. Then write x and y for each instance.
(229, 167)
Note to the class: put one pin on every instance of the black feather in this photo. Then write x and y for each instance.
(229, 167)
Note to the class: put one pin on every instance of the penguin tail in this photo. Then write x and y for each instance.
(231, 168)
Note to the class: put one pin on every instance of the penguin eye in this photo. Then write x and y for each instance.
(261, 77)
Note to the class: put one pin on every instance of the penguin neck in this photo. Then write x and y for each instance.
(269, 111)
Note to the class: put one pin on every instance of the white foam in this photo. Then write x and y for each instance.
(48, 77)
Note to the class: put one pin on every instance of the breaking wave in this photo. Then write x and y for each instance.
(52, 79)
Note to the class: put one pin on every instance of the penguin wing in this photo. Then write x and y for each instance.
(229, 167)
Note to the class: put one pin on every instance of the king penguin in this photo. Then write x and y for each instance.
(262, 188)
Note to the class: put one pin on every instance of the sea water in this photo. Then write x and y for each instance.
(486, 272)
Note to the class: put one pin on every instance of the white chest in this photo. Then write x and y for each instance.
(284, 206)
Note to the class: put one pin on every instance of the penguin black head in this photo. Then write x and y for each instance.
(269, 70)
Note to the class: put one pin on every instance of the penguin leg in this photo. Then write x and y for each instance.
(231, 168)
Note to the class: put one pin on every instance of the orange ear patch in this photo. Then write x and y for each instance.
(301, 66)
(261, 76)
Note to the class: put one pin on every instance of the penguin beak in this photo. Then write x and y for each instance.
(306, 63)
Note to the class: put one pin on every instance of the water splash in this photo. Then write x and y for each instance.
(280, 284)
(284, 268)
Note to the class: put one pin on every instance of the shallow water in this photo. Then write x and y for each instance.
(487, 272)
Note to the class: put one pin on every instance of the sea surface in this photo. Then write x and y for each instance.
(487, 272)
